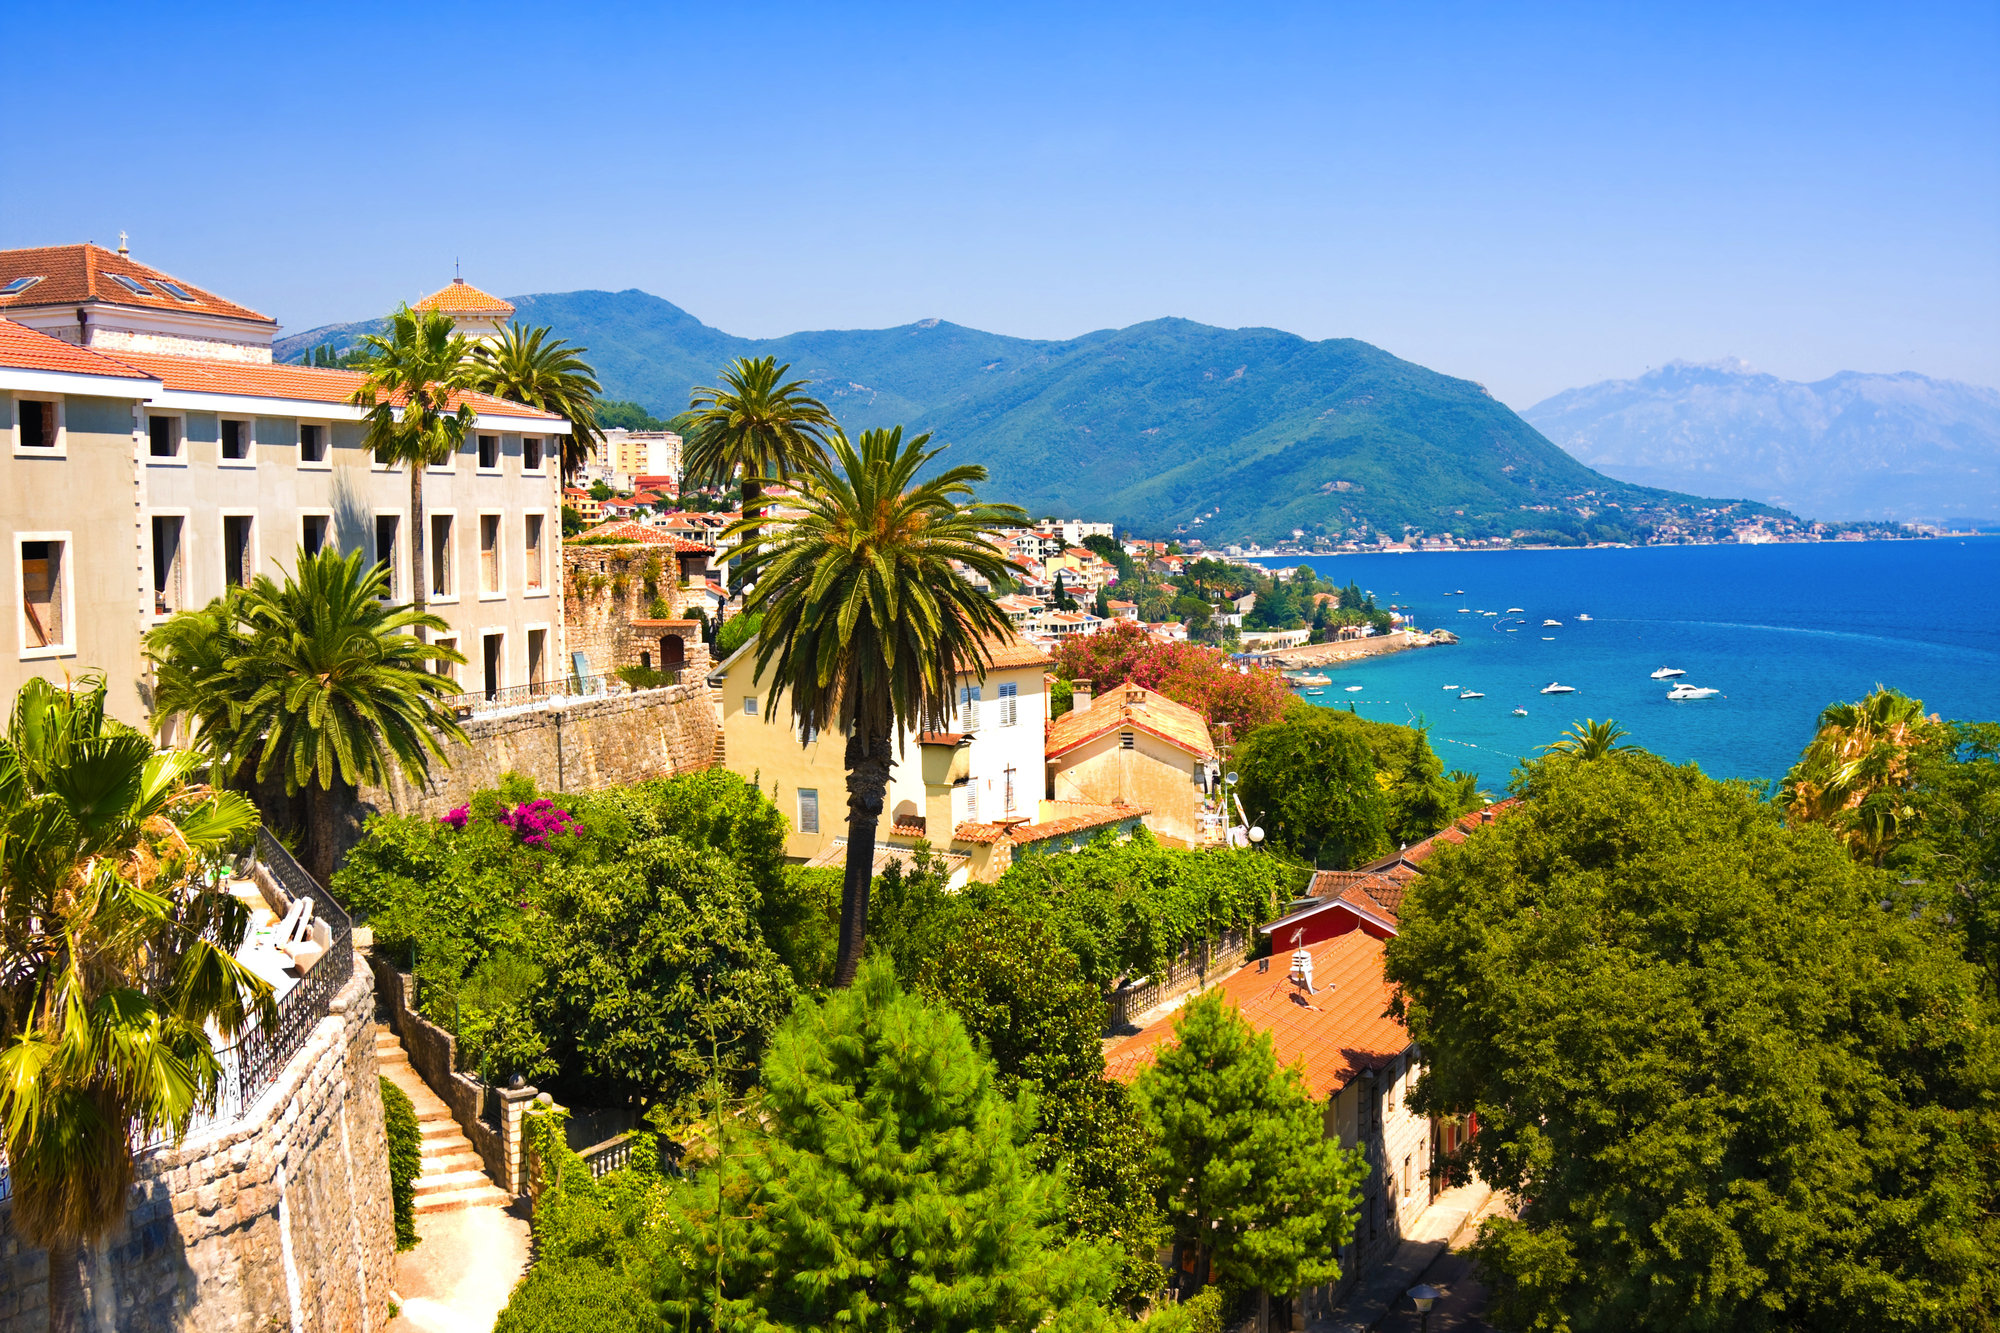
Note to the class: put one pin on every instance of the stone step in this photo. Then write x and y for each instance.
(479, 1196)
(429, 1130)
(446, 1182)
(444, 1143)
(458, 1159)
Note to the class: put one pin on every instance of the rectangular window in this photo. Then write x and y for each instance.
(312, 444)
(387, 554)
(531, 454)
(532, 549)
(42, 594)
(489, 553)
(808, 809)
(235, 441)
(489, 657)
(1008, 773)
(382, 456)
(1010, 704)
(968, 708)
(537, 655)
(37, 423)
(169, 566)
(749, 705)
(441, 580)
(489, 452)
(238, 558)
(972, 801)
(312, 532)
(449, 670)
(163, 436)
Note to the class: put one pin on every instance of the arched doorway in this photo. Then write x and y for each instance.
(673, 652)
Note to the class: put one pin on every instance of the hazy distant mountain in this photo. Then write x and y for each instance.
(1854, 446)
(1254, 431)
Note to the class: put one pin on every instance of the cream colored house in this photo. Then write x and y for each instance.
(1132, 747)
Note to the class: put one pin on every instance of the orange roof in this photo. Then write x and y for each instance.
(1333, 1034)
(73, 273)
(639, 532)
(1383, 890)
(1412, 858)
(308, 383)
(23, 348)
(1070, 817)
(1138, 708)
(465, 299)
(1010, 650)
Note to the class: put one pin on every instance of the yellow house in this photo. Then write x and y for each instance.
(1133, 747)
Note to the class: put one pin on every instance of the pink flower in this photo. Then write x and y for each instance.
(457, 818)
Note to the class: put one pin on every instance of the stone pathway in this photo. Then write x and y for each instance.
(1427, 1254)
(453, 1176)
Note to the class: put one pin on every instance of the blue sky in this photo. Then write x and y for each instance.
(1534, 197)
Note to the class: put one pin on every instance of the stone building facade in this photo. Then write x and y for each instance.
(615, 582)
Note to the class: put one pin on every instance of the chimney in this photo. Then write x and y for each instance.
(1079, 696)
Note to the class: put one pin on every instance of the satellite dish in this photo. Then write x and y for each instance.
(1256, 833)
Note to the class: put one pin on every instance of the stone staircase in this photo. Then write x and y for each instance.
(453, 1177)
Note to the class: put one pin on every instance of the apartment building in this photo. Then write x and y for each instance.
(156, 457)
(630, 455)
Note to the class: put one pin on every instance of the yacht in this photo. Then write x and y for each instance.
(1451, 687)
(1547, 639)
(1520, 712)
(1685, 691)
(1581, 616)
(1465, 610)
(1354, 689)
(1668, 673)
(1472, 694)
(1553, 688)
(1315, 690)
(1514, 609)
(1552, 622)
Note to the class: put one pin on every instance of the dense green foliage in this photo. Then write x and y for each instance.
(1948, 853)
(1248, 1176)
(735, 632)
(1339, 790)
(1739, 1078)
(406, 1160)
(624, 414)
(528, 366)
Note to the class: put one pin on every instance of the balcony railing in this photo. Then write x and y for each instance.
(605, 686)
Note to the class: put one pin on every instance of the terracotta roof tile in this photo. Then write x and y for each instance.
(1135, 707)
(1383, 889)
(306, 383)
(73, 273)
(465, 299)
(639, 532)
(1070, 817)
(1410, 860)
(1333, 1034)
(23, 348)
(1010, 650)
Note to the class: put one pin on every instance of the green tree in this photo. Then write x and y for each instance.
(336, 690)
(758, 423)
(1949, 852)
(1857, 774)
(192, 685)
(1731, 1090)
(1102, 606)
(1311, 780)
(1061, 599)
(535, 370)
(866, 623)
(623, 414)
(418, 414)
(1590, 739)
(887, 1185)
(1250, 1180)
(120, 956)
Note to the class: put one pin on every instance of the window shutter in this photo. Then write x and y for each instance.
(808, 810)
(1010, 704)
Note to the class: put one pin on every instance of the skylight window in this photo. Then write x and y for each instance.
(132, 285)
(19, 285)
(174, 289)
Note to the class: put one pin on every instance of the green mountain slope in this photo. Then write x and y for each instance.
(1229, 434)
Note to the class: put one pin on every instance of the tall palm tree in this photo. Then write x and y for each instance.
(532, 368)
(190, 653)
(1856, 773)
(119, 951)
(867, 625)
(767, 427)
(414, 375)
(1590, 740)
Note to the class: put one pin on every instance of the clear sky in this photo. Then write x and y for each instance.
(1534, 197)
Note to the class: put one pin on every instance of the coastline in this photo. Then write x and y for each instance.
(1354, 650)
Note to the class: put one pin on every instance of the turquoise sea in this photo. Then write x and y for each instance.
(1781, 630)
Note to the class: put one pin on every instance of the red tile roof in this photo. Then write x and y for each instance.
(1412, 858)
(1333, 1034)
(1071, 817)
(640, 532)
(306, 383)
(463, 298)
(1137, 708)
(81, 273)
(23, 348)
(1010, 650)
(1384, 890)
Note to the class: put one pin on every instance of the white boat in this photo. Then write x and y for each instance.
(1690, 692)
(1489, 613)
(1547, 639)
(1354, 689)
(1668, 673)
(1553, 688)
(1451, 687)
(1472, 694)
(1520, 712)
(1315, 690)
(1552, 622)
(1513, 610)
(1581, 616)
(1465, 610)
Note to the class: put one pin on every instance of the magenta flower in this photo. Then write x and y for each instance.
(457, 818)
(535, 822)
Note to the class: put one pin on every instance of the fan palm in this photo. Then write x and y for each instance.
(529, 367)
(768, 428)
(1590, 740)
(1857, 771)
(339, 690)
(867, 625)
(413, 375)
(119, 956)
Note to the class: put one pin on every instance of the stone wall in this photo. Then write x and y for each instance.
(281, 1220)
(568, 744)
(608, 604)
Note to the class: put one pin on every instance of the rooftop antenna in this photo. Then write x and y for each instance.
(123, 248)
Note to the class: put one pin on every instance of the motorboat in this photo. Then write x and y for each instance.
(1548, 638)
(1315, 690)
(1465, 610)
(1685, 691)
(1489, 613)
(1517, 610)
(1354, 689)
(1551, 622)
(1553, 688)
(1451, 687)
(1472, 694)
(1458, 592)
(1520, 712)
(1668, 673)
(1581, 616)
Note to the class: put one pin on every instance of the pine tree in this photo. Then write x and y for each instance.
(1251, 1179)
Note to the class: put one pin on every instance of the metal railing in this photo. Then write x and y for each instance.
(604, 686)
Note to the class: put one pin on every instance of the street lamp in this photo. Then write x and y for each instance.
(1423, 1296)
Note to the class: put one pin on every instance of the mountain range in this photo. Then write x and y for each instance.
(1850, 447)
(1170, 425)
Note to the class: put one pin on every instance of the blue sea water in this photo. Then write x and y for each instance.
(1781, 630)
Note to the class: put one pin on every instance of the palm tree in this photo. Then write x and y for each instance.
(1466, 793)
(1857, 771)
(119, 956)
(324, 680)
(413, 376)
(771, 430)
(1590, 740)
(532, 368)
(867, 625)
(190, 653)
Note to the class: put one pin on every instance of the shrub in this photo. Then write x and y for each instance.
(406, 1160)
(735, 632)
(644, 677)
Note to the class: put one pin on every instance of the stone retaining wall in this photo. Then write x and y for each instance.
(280, 1221)
(568, 745)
